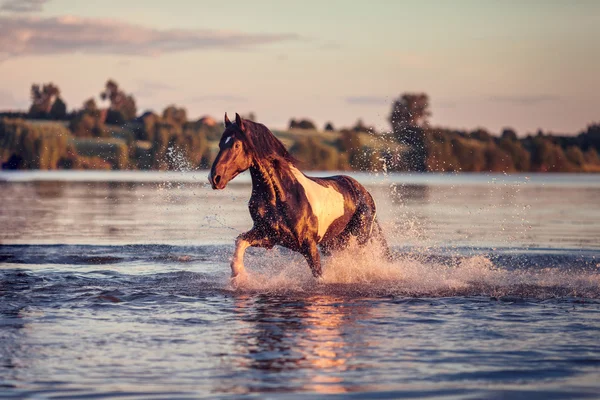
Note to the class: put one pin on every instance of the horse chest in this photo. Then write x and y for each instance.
(264, 213)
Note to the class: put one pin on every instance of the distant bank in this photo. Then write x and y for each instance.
(150, 143)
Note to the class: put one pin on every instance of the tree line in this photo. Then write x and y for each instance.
(444, 150)
(117, 137)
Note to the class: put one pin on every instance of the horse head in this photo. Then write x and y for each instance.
(234, 154)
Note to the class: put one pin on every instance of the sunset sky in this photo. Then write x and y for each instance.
(524, 64)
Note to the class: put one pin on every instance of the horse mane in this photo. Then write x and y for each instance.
(263, 144)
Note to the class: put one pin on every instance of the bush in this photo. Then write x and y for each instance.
(40, 146)
(316, 155)
(88, 125)
(111, 150)
(175, 149)
(302, 124)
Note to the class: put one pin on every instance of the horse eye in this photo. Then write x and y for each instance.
(237, 145)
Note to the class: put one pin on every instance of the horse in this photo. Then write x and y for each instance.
(288, 208)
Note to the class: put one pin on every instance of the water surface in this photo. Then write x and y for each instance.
(117, 285)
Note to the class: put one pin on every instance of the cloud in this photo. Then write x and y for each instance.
(216, 97)
(368, 100)
(525, 99)
(22, 6)
(20, 36)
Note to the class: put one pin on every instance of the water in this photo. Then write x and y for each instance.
(116, 285)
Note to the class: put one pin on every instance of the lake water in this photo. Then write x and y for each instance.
(115, 284)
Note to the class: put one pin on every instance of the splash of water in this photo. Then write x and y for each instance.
(365, 271)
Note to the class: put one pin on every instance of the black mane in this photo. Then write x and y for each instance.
(261, 142)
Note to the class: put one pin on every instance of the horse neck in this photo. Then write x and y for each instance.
(267, 180)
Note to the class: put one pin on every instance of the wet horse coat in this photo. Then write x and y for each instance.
(289, 208)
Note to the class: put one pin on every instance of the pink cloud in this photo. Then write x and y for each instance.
(21, 36)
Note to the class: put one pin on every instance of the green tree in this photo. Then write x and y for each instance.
(302, 124)
(575, 156)
(361, 127)
(250, 116)
(42, 99)
(58, 110)
(410, 110)
(409, 122)
(119, 101)
(509, 134)
(175, 115)
(90, 107)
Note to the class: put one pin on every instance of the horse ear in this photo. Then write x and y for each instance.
(227, 121)
(240, 122)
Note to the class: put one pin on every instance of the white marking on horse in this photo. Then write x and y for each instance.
(228, 139)
(327, 203)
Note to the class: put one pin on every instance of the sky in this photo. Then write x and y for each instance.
(527, 65)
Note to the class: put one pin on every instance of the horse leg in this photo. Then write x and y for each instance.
(311, 253)
(362, 223)
(358, 226)
(252, 238)
(338, 243)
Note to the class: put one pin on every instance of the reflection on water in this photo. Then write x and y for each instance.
(108, 333)
(301, 342)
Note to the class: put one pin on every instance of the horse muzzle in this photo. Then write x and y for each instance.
(216, 181)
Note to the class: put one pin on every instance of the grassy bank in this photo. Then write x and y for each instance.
(158, 143)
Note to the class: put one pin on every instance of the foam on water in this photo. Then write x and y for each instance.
(367, 272)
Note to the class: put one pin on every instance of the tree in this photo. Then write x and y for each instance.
(90, 107)
(410, 109)
(409, 121)
(302, 124)
(115, 117)
(360, 126)
(250, 116)
(119, 101)
(348, 141)
(42, 99)
(591, 156)
(175, 115)
(89, 121)
(547, 156)
(329, 127)
(482, 135)
(509, 134)
(59, 109)
(575, 156)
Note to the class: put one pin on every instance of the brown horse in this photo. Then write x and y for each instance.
(289, 208)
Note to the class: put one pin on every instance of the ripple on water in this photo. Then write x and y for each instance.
(164, 321)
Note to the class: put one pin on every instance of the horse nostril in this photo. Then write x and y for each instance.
(217, 179)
